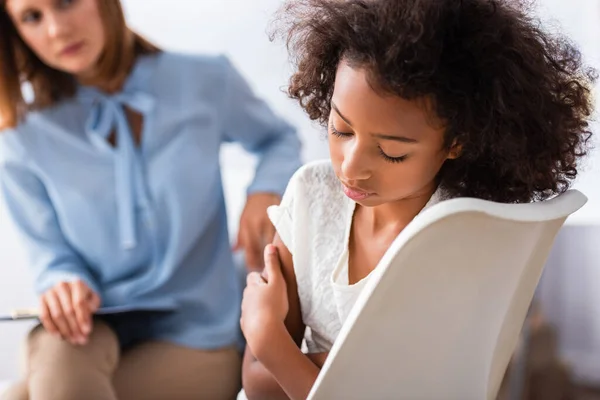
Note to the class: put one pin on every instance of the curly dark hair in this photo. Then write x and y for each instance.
(516, 98)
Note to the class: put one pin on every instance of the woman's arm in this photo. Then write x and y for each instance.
(248, 120)
(280, 370)
(69, 293)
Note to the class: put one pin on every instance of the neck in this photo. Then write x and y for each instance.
(110, 82)
(103, 84)
(395, 215)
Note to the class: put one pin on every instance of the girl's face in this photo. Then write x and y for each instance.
(67, 35)
(383, 148)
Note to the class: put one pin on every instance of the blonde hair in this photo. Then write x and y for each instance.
(18, 63)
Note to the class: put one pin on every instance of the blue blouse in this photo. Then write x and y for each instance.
(145, 225)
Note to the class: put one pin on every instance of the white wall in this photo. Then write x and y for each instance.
(238, 28)
(580, 19)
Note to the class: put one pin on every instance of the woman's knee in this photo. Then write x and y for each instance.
(44, 349)
(158, 370)
(56, 369)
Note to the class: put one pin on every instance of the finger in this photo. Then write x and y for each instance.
(81, 304)
(240, 244)
(237, 246)
(254, 278)
(57, 314)
(254, 248)
(46, 318)
(268, 232)
(66, 302)
(240, 241)
(94, 301)
(272, 264)
(246, 243)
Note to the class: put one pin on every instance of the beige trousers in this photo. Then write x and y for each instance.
(57, 370)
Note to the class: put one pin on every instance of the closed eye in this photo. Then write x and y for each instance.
(387, 158)
(337, 133)
(391, 159)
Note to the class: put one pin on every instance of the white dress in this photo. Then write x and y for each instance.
(314, 221)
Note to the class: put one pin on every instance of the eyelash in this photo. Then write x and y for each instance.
(391, 159)
(387, 158)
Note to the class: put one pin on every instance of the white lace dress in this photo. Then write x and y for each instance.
(314, 221)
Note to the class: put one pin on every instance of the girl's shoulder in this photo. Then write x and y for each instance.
(313, 206)
(316, 182)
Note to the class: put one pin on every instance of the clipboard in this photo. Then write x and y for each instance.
(23, 314)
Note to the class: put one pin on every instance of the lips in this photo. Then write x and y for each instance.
(72, 49)
(356, 194)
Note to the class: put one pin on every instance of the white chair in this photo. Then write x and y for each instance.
(440, 318)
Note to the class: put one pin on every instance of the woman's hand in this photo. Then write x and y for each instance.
(255, 229)
(67, 309)
(265, 303)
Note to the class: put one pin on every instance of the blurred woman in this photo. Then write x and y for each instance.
(111, 173)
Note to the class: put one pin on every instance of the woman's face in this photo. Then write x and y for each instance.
(383, 148)
(67, 35)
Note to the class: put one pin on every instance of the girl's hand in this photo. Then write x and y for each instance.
(255, 229)
(67, 310)
(265, 302)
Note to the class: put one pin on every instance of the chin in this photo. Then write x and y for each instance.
(76, 66)
(77, 69)
(370, 202)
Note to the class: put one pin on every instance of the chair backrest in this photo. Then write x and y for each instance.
(441, 315)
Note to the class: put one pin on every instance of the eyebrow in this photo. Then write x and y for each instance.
(17, 12)
(402, 139)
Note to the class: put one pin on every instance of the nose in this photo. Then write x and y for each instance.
(56, 25)
(356, 165)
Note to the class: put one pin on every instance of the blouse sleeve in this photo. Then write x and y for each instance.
(248, 120)
(52, 259)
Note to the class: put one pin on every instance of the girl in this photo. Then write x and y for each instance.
(112, 175)
(424, 100)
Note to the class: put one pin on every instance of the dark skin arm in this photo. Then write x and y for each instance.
(281, 370)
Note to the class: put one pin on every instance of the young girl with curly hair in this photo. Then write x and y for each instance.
(424, 100)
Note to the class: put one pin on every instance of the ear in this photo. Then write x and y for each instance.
(455, 151)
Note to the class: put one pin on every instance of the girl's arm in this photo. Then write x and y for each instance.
(274, 366)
